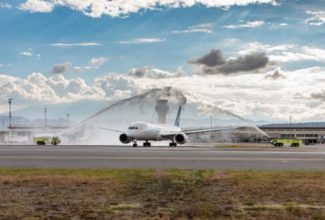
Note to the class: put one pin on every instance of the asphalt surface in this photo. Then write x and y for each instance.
(189, 157)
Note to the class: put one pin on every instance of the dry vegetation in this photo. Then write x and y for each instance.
(160, 194)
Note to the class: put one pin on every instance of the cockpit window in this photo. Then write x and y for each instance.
(133, 128)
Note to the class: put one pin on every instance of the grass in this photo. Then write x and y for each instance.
(163, 194)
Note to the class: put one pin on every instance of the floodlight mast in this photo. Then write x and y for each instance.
(45, 119)
(10, 118)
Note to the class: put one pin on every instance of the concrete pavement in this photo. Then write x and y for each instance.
(189, 157)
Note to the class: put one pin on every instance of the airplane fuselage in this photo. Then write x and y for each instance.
(151, 132)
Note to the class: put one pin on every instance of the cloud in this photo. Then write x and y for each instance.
(143, 41)
(37, 88)
(98, 61)
(66, 45)
(278, 26)
(61, 68)
(5, 5)
(37, 6)
(200, 28)
(153, 73)
(248, 24)
(3, 65)
(277, 74)
(214, 63)
(247, 95)
(248, 62)
(213, 58)
(320, 94)
(84, 68)
(117, 8)
(28, 53)
(283, 53)
(317, 18)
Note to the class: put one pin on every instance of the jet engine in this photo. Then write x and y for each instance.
(125, 139)
(180, 138)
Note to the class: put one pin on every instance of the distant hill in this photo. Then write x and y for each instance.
(4, 120)
(22, 121)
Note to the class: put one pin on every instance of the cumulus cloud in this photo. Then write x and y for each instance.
(143, 41)
(277, 74)
(61, 68)
(320, 94)
(37, 88)
(283, 53)
(200, 28)
(248, 24)
(317, 18)
(247, 95)
(116, 85)
(95, 8)
(214, 63)
(68, 45)
(37, 6)
(98, 61)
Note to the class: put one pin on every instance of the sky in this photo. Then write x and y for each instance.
(261, 59)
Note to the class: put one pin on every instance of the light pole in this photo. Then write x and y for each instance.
(291, 133)
(68, 120)
(10, 116)
(45, 122)
(210, 135)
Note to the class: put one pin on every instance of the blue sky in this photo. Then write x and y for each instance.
(165, 38)
(22, 30)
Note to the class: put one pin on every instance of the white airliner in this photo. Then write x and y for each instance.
(143, 131)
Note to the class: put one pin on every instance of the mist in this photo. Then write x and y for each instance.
(155, 106)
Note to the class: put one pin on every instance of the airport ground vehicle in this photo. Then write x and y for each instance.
(280, 142)
(43, 140)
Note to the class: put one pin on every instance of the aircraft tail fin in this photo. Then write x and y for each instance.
(178, 117)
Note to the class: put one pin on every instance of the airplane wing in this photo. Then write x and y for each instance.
(198, 131)
(195, 131)
(108, 129)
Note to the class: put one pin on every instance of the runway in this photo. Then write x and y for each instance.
(189, 157)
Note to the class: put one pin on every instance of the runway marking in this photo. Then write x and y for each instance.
(163, 158)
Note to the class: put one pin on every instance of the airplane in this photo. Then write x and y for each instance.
(143, 131)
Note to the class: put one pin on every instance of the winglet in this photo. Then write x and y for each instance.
(178, 117)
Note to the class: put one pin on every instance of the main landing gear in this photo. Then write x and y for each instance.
(146, 144)
(172, 144)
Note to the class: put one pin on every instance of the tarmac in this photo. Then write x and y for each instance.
(230, 157)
